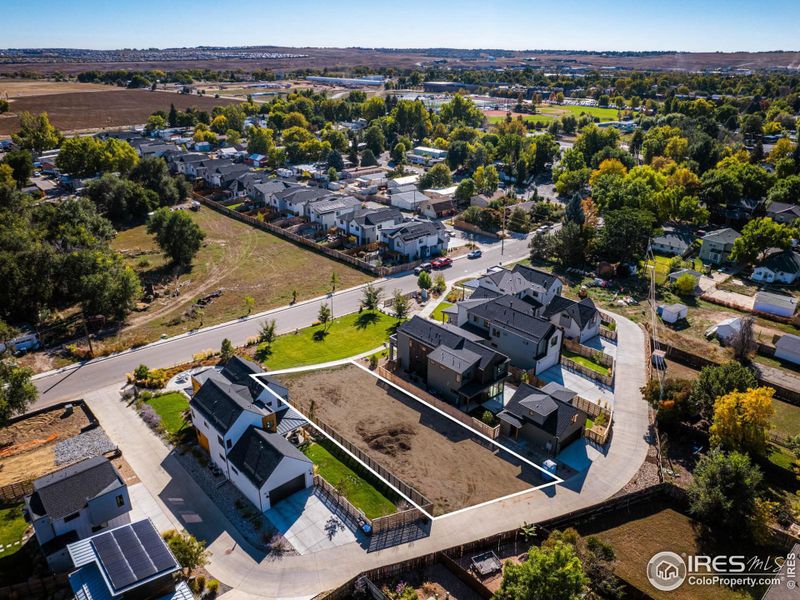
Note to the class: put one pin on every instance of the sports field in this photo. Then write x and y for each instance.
(547, 112)
(440, 458)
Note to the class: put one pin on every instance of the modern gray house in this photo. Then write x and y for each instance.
(580, 321)
(543, 418)
(521, 281)
(717, 245)
(454, 363)
(73, 503)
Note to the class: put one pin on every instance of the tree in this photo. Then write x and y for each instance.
(122, 201)
(155, 122)
(724, 493)
(424, 281)
(742, 420)
(374, 139)
(519, 221)
(671, 401)
(569, 244)
(438, 176)
(574, 211)
(7, 175)
(335, 161)
(153, 174)
(324, 315)
(541, 245)
(371, 298)
(36, 133)
(17, 391)
(260, 140)
(465, 190)
(717, 381)
(21, 164)
(190, 552)
(178, 236)
(226, 350)
(743, 343)
(249, 302)
(486, 179)
(553, 572)
(368, 158)
(267, 334)
(685, 285)
(400, 305)
(439, 283)
(172, 117)
(625, 234)
(758, 236)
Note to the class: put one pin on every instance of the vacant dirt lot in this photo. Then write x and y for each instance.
(431, 453)
(20, 88)
(97, 109)
(26, 447)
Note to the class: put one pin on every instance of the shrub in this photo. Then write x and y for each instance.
(373, 362)
(487, 417)
(199, 583)
(150, 417)
(212, 585)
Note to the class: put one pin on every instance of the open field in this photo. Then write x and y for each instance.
(547, 112)
(21, 88)
(98, 109)
(346, 336)
(785, 419)
(27, 446)
(358, 491)
(239, 259)
(638, 539)
(442, 459)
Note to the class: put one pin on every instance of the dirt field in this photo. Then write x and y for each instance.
(26, 447)
(22, 88)
(429, 452)
(97, 108)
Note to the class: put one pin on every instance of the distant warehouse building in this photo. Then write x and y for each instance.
(439, 87)
(423, 155)
(347, 81)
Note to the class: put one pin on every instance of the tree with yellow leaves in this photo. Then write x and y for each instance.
(742, 420)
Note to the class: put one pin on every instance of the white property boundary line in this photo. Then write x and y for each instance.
(556, 479)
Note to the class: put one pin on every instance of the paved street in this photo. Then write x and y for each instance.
(76, 381)
(253, 575)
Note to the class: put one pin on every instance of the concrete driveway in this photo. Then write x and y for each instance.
(311, 525)
(591, 390)
(605, 346)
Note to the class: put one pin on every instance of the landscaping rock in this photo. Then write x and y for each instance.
(86, 445)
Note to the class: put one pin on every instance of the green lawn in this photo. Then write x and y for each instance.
(781, 457)
(12, 526)
(170, 407)
(358, 491)
(586, 362)
(530, 118)
(346, 336)
(786, 419)
(437, 315)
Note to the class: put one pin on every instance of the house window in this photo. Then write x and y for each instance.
(222, 456)
(234, 469)
(228, 444)
(205, 423)
(219, 439)
(72, 517)
(120, 500)
(554, 340)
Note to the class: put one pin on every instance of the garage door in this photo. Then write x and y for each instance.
(287, 489)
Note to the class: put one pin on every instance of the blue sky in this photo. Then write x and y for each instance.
(698, 25)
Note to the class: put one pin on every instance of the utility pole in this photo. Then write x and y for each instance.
(88, 337)
(503, 238)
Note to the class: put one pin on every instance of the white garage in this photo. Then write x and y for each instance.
(267, 468)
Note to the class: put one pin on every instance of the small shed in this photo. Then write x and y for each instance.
(788, 348)
(775, 304)
(672, 313)
(725, 330)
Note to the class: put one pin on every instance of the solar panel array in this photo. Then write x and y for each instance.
(133, 553)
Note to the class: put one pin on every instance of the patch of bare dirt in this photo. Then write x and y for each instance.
(390, 440)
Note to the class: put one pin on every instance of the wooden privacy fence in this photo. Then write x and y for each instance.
(609, 334)
(39, 587)
(594, 354)
(410, 493)
(571, 365)
(460, 416)
(14, 492)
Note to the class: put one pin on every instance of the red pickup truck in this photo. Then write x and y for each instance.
(442, 262)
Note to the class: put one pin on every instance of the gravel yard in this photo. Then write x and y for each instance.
(440, 458)
(86, 445)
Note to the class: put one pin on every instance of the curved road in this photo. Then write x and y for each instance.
(76, 381)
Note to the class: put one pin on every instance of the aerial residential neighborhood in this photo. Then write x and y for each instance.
(330, 301)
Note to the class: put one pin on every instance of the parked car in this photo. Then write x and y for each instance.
(475, 254)
(426, 266)
(441, 262)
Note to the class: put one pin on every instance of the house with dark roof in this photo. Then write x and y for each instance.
(543, 418)
(267, 468)
(513, 326)
(781, 212)
(131, 562)
(455, 364)
(717, 245)
(779, 266)
(326, 211)
(674, 241)
(580, 321)
(366, 224)
(414, 240)
(262, 193)
(74, 502)
(522, 282)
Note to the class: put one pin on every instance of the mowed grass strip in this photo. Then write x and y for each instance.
(437, 313)
(170, 407)
(586, 362)
(345, 337)
(358, 491)
(12, 526)
(785, 419)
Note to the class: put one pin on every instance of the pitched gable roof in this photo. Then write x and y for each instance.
(221, 402)
(547, 408)
(258, 453)
(581, 312)
(69, 489)
(722, 236)
(515, 315)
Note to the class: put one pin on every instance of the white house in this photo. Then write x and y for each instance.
(775, 304)
(672, 313)
(408, 200)
(73, 503)
(266, 468)
(788, 348)
(366, 224)
(579, 321)
(416, 239)
(725, 330)
(780, 266)
(400, 182)
(328, 210)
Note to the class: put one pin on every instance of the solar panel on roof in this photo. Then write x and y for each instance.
(113, 561)
(134, 553)
(156, 547)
